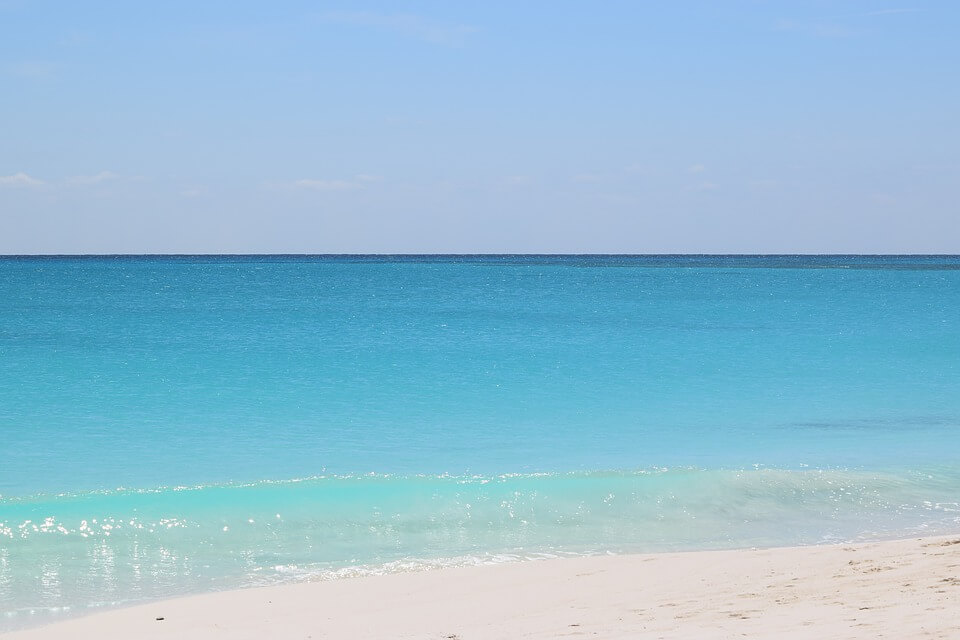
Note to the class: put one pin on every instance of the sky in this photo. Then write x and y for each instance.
(480, 127)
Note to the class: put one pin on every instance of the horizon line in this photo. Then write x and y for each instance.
(473, 255)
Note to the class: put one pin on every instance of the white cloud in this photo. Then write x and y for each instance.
(20, 180)
(696, 168)
(408, 25)
(589, 178)
(327, 185)
(103, 176)
(357, 182)
(611, 175)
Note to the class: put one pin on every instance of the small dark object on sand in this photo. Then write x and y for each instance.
(160, 618)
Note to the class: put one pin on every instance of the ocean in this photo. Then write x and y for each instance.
(180, 424)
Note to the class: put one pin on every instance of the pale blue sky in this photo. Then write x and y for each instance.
(479, 127)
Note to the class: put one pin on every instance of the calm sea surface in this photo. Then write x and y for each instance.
(171, 425)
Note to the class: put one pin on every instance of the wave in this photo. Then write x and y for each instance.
(102, 547)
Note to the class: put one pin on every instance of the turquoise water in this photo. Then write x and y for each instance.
(171, 425)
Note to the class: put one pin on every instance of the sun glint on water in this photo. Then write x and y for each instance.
(178, 424)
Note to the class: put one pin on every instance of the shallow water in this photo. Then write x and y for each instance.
(178, 424)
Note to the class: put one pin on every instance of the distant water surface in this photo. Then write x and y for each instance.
(174, 424)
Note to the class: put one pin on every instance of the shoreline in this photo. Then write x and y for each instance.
(907, 588)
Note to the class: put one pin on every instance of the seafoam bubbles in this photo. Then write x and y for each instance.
(111, 546)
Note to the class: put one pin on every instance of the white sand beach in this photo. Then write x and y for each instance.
(896, 589)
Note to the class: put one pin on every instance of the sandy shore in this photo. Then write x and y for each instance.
(898, 589)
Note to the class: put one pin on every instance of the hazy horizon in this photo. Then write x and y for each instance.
(426, 128)
(468, 255)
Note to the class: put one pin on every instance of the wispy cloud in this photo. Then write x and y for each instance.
(816, 29)
(75, 38)
(764, 184)
(637, 168)
(888, 12)
(31, 69)
(589, 178)
(20, 180)
(408, 25)
(328, 185)
(696, 168)
(352, 184)
(103, 176)
(831, 27)
(194, 192)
